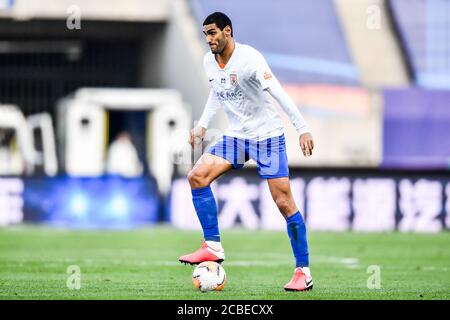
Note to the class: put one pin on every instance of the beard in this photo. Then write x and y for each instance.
(218, 48)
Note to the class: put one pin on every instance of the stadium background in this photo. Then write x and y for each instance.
(371, 77)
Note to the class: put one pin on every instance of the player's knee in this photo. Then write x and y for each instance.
(197, 179)
(283, 204)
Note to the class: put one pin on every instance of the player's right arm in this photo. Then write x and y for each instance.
(197, 134)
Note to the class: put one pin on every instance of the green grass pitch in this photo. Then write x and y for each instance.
(143, 264)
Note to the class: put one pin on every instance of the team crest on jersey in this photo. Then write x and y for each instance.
(233, 79)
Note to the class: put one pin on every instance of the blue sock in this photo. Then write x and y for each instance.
(297, 234)
(206, 208)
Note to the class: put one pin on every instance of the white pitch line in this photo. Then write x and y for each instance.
(350, 263)
(230, 263)
(433, 268)
(347, 262)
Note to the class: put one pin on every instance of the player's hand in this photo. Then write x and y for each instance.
(306, 144)
(196, 136)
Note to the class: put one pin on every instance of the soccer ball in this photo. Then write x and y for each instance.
(209, 276)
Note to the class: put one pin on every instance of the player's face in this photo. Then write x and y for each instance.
(217, 39)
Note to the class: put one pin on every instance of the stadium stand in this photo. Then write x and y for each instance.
(424, 31)
(372, 42)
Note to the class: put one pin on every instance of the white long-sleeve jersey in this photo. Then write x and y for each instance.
(244, 88)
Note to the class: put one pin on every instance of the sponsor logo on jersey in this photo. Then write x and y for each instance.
(230, 95)
(223, 80)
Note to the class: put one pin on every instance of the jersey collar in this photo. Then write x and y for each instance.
(236, 47)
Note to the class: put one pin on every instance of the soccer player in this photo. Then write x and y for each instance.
(243, 84)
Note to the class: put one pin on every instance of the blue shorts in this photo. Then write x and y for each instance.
(270, 154)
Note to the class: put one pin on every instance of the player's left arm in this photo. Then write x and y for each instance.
(268, 82)
(279, 94)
